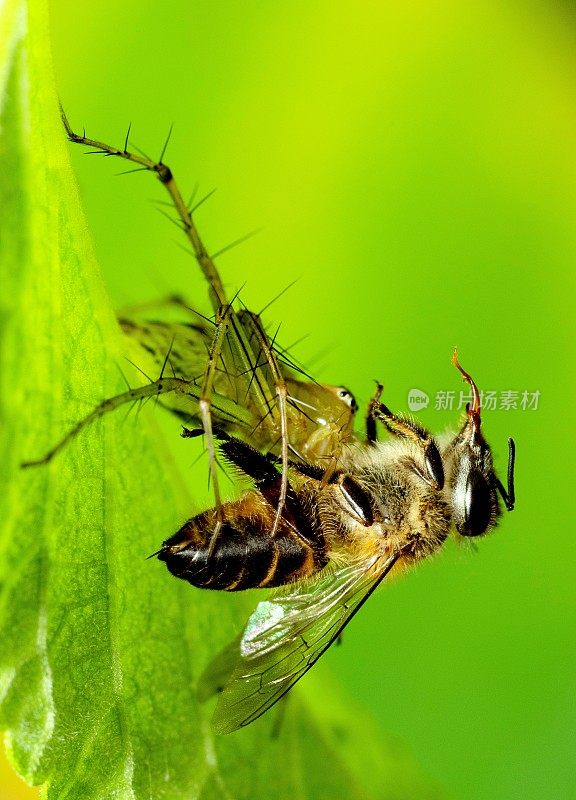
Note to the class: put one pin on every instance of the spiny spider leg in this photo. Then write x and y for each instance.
(226, 329)
(164, 175)
(169, 301)
(281, 392)
(153, 389)
(222, 324)
(217, 293)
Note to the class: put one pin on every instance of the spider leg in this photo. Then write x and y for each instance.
(166, 178)
(153, 389)
(205, 400)
(252, 322)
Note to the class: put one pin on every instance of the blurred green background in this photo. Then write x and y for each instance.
(415, 167)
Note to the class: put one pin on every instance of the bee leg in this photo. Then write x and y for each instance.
(164, 175)
(269, 482)
(408, 429)
(371, 431)
(252, 462)
(357, 499)
(153, 389)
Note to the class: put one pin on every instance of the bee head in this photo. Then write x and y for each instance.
(473, 483)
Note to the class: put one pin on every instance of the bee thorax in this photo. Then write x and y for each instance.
(408, 513)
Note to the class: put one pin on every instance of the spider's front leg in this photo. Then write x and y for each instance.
(166, 178)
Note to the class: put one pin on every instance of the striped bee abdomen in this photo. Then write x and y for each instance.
(244, 554)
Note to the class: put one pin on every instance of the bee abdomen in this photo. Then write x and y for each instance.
(244, 554)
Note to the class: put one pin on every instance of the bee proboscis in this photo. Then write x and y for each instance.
(331, 512)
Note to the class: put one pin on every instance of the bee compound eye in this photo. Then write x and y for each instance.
(478, 506)
(434, 465)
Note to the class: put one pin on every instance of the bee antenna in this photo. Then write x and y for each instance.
(511, 463)
(474, 408)
(509, 497)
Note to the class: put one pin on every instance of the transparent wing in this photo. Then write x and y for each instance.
(285, 636)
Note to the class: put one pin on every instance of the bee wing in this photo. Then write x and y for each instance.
(286, 635)
(219, 671)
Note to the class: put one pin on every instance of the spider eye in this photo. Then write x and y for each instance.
(347, 397)
(478, 506)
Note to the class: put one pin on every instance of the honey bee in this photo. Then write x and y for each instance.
(386, 506)
(331, 512)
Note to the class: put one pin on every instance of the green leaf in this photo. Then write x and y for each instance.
(100, 648)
